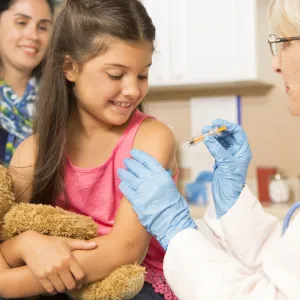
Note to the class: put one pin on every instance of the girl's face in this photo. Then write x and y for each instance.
(110, 86)
(287, 64)
(24, 30)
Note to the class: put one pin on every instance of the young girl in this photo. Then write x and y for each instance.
(25, 27)
(95, 78)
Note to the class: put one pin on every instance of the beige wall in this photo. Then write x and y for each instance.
(272, 132)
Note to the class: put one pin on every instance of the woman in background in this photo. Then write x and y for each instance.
(25, 27)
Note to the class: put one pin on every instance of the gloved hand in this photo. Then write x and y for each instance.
(232, 155)
(154, 197)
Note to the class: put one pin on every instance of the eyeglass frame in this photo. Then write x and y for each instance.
(276, 39)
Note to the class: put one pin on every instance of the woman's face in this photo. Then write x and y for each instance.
(287, 64)
(24, 30)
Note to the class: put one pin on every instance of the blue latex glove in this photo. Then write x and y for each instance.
(232, 155)
(154, 197)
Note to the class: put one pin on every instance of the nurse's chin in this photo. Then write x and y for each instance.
(294, 109)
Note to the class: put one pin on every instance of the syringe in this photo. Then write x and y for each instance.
(216, 131)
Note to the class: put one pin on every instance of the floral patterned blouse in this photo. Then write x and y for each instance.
(16, 115)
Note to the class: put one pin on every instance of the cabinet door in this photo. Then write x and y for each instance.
(160, 71)
(212, 41)
(178, 35)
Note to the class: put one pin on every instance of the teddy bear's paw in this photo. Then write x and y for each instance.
(48, 220)
(135, 285)
(122, 284)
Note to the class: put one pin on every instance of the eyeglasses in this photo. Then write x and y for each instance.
(276, 43)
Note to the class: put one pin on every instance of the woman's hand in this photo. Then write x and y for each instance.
(232, 155)
(50, 259)
(154, 197)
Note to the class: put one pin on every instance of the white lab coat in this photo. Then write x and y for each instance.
(253, 261)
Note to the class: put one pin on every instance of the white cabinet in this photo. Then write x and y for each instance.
(216, 42)
(161, 68)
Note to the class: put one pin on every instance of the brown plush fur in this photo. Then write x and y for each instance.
(7, 197)
(123, 283)
(47, 220)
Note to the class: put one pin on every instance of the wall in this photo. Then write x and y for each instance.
(272, 132)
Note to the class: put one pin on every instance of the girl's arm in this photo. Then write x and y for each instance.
(21, 169)
(31, 244)
(128, 241)
(18, 282)
(49, 259)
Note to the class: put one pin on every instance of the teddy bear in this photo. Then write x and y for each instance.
(123, 283)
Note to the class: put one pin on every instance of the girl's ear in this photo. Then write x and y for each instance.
(70, 68)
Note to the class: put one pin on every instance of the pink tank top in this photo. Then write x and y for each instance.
(94, 192)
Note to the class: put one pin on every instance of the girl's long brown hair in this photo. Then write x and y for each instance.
(78, 32)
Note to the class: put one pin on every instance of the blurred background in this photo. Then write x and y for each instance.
(212, 60)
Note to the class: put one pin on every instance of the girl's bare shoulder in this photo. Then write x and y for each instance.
(21, 168)
(25, 154)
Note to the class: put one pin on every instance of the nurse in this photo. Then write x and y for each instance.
(254, 260)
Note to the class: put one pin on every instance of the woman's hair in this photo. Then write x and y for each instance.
(284, 16)
(80, 32)
(4, 6)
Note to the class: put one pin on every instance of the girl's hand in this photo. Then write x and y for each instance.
(51, 261)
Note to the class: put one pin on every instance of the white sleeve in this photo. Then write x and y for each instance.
(196, 269)
(246, 231)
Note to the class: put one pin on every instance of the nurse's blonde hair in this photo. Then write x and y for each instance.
(284, 16)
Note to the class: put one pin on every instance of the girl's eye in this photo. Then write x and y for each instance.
(21, 23)
(115, 77)
(43, 28)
